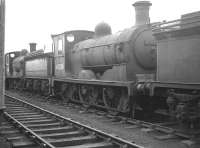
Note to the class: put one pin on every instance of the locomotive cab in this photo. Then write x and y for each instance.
(9, 69)
(62, 45)
(9, 57)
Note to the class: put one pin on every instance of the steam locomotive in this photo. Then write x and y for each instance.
(150, 67)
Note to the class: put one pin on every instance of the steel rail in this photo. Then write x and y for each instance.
(162, 127)
(107, 137)
(29, 132)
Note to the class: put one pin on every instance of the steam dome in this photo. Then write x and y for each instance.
(102, 29)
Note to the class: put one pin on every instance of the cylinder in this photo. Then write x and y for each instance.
(32, 47)
(142, 12)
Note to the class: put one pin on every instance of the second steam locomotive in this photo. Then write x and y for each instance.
(150, 67)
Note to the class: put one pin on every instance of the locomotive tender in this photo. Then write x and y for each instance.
(142, 67)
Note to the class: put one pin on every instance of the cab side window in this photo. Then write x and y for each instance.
(60, 47)
(7, 59)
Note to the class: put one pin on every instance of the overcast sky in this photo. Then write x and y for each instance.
(35, 20)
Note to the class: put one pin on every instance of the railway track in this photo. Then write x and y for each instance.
(27, 125)
(168, 130)
(163, 131)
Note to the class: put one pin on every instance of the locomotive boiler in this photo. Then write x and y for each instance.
(119, 57)
(127, 55)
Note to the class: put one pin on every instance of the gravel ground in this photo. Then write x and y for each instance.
(4, 143)
(136, 135)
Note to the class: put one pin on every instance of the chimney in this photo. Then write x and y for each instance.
(32, 47)
(142, 12)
